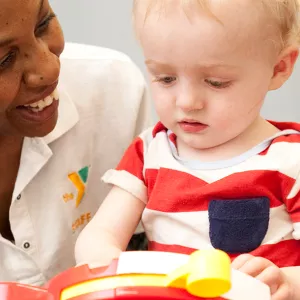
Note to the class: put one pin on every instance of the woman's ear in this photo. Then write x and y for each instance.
(284, 67)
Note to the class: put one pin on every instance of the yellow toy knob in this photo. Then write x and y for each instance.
(209, 274)
(206, 275)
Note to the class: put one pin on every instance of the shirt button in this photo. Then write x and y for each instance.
(26, 245)
(19, 197)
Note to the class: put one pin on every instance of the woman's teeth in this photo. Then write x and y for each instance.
(41, 104)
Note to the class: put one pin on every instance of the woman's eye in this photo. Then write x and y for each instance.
(43, 26)
(7, 60)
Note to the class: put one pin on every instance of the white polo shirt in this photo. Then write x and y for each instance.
(103, 106)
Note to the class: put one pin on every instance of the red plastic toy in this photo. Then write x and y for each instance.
(205, 274)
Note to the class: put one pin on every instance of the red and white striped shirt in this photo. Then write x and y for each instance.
(248, 204)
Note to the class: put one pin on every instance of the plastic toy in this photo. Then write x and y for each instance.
(205, 274)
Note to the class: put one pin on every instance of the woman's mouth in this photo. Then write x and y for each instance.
(41, 110)
(43, 103)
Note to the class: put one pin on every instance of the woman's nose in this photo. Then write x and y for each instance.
(42, 67)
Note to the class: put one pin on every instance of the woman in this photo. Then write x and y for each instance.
(63, 123)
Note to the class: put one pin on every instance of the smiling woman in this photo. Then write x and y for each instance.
(31, 42)
(63, 110)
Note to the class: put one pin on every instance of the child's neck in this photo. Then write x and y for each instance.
(256, 133)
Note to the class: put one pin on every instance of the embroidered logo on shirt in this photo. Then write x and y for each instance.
(68, 197)
(79, 180)
(82, 220)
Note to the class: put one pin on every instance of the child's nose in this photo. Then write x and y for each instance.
(190, 100)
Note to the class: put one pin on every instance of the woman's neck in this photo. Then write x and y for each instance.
(10, 145)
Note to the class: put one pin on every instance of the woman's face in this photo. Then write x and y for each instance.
(31, 42)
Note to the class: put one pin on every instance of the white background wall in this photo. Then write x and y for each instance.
(107, 23)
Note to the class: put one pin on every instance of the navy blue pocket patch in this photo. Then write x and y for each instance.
(238, 226)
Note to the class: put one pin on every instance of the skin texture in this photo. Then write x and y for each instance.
(29, 64)
(213, 69)
(280, 284)
(31, 42)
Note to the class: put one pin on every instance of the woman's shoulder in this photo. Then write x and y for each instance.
(96, 73)
(75, 51)
(84, 62)
(106, 89)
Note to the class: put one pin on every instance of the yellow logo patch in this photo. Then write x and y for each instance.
(79, 179)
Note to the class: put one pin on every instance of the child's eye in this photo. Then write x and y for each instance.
(165, 80)
(217, 84)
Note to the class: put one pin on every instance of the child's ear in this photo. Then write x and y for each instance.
(284, 67)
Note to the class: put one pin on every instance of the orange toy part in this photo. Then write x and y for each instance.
(16, 291)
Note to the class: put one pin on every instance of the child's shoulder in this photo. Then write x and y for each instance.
(288, 137)
(291, 139)
(285, 149)
(152, 132)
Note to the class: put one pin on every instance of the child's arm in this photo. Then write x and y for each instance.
(109, 232)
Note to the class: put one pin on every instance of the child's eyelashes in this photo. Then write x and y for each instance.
(169, 80)
(218, 84)
(165, 80)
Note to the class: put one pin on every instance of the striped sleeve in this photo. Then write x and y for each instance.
(128, 175)
(292, 203)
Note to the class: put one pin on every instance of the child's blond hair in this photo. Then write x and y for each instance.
(286, 14)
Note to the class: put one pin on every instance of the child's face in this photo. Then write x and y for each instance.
(209, 76)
